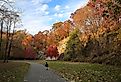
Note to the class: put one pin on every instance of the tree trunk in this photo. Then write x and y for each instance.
(1, 32)
(10, 44)
(7, 42)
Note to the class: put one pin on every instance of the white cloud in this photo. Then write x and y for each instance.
(57, 7)
(12, 0)
(67, 7)
(81, 4)
(50, 18)
(35, 24)
(42, 9)
(9, 0)
(55, 15)
(47, 12)
(38, 15)
(36, 2)
(62, 11)
(56, 20)
(60, 15)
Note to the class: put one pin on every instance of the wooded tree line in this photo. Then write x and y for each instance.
(8, 20)
(99, 25)
(92, 35)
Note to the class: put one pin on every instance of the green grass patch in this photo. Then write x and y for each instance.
(13, 71)
(85, 72)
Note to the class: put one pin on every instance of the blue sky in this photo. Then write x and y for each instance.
(39, 15)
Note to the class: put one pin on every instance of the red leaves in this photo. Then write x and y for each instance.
(52, 51)
(30, 53)
(91, 4)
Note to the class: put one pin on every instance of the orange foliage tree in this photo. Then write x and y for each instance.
(52, 51)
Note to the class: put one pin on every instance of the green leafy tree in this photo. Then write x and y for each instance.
(73, 49)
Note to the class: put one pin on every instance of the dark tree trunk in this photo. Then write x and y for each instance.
(11, 41)
(10, 45)
(1, 32)
(7, 42)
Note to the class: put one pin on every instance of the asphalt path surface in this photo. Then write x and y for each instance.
(39, 73)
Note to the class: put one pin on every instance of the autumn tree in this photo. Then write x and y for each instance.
(110, 10)
(30, 53)
(52, 51)
(73, 49)
(17, 49)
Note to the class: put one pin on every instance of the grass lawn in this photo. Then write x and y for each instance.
(13, 71)
(85, 72)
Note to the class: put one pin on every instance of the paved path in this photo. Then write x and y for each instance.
(38, 73)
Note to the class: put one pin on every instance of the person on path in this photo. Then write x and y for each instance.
(46, 65)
